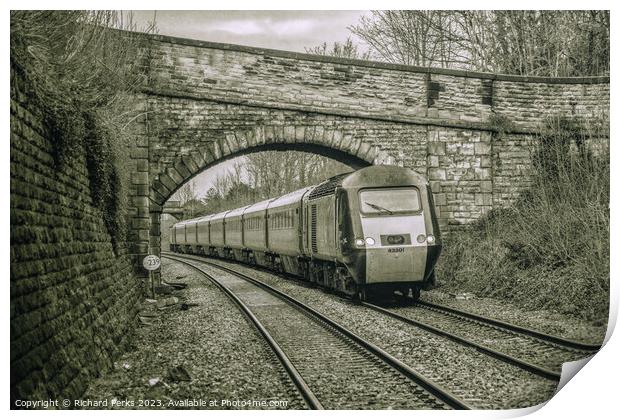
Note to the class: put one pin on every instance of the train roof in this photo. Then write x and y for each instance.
(327, 187)
(185, 222)
(261, 205)
(236, 212)
(219, 215)
(370, 176)
(205, 218)
(289, 198)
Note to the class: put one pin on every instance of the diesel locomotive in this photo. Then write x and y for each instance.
(368, 233)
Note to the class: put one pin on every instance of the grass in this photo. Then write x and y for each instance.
(550, 250)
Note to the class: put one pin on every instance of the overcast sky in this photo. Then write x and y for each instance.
(292, 30)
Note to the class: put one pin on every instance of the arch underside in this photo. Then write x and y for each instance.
(332, 143)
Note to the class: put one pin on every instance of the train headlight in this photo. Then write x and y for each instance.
(421, 238)
(430, 239)
(370, 241)
(359, 242)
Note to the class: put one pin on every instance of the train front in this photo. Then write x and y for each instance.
(391, 240)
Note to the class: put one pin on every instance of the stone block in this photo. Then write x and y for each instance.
(483, 199)
(435, 186)
(142, 165)
(482, 173)
(140, 201)
(437, 174)
(486, 162)
(337, 139)
(486, 186)
(242, 142)
(139, 153)
(289, 134)
(437, 148)
(174, 176)
(140, 223)
(190, 164)
(140, 178)
(440, 199)
(300, 134)
(482, 148)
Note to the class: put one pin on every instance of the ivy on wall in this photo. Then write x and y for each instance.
(81, 70)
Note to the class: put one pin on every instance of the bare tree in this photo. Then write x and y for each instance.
(530, 42)
(344, 50)
(264, 175)
(413, 37)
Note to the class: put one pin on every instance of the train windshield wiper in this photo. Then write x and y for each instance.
(377, 207)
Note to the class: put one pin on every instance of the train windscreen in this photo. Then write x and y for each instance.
(390, 200)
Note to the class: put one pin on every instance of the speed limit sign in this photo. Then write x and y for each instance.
(151, 262)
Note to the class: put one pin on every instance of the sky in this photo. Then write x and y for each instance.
(292, 30)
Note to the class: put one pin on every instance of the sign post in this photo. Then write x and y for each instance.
(151, 263)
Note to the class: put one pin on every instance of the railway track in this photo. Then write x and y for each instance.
(534, 351)
(527, 349)
(331, 366)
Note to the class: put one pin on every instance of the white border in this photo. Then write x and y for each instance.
(592, 394)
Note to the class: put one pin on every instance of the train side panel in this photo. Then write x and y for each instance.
(191, 237)
(202, 232)
(254, 226)
(180, 233)
(172, 232)
(284, 230)
(233, 223)
(216, 230)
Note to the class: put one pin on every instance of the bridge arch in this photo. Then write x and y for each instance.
(332, 143)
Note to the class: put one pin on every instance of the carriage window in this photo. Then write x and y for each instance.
(390, 200)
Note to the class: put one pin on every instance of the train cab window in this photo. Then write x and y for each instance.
(389, 201)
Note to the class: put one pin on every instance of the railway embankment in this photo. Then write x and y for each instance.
(550, 250)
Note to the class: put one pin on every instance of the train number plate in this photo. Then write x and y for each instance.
(399, 249)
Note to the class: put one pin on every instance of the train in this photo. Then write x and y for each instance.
(370, 233)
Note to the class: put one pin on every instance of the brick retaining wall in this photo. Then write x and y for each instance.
(73, 301)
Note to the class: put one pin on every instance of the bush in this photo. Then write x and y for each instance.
(551, 248)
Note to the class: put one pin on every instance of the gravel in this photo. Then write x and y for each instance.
(340, 373)
(481, 381)
(542, 320)
(520, 346)
(211, 343)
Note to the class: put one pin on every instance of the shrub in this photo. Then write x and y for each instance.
(551, 248)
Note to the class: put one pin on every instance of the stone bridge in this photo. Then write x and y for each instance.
(205, 102)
